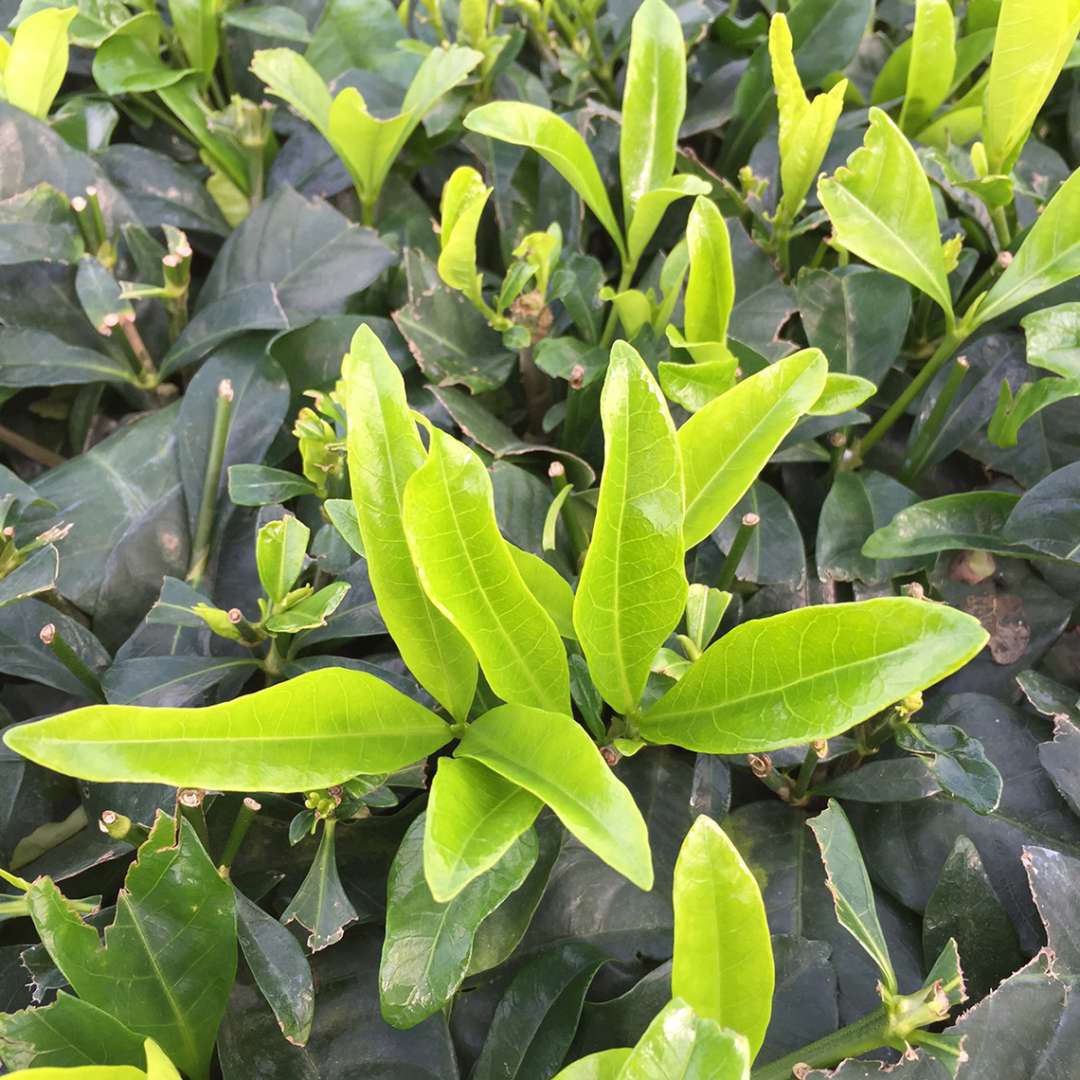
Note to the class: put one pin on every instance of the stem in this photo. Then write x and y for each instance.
(367, 210)
(98, 217)
(138, 347)
(537, 388)
(609, 327)
(948, 345)
(809, 766)
(1001, 226)
(924, 441)
(579, 541)
(244, 817)
(602, 70)
(28, 448)
(762, 767)
(872, 1031)
(74, 663)
(738, 548)
(120, 827)
(189, 804)
(166, 118)
(200, 551)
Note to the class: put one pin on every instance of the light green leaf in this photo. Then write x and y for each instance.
(1049, 255)
(38, 60)
(806, 128)
(168, 960)
(464, 196)
(384, 451)
(318, 729)
(473, 816)
(158, 1066)
(727, 443)
(557, 143)
(196, 25)
(933, 63)
(652, 205)
(549, 587)
(280, 551)
(653, 104)
(605, 1065)
(427, 946)
(710, 286)
(882, 210)
(551, 756)
(850, 886)
(632, 590)
(310, 611)
(841, 394)
(468, 572)
(693, 386)
(810, 674)
(1032, 44)
(679, 1045)
(290, 77)
(722, 965)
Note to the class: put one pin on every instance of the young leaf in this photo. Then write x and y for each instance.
(426, 950)
(727, 443)
(158, 1066)
(933, 63)
(38, 60)
(632, 590)
(290, 77)
(196, 25)
(652, 206)
(605, 1065)
(463, 199)
(551, 756)
(810, 674)
(1049, 255)
(841, 394)
(468, 572)
(722, 965)
(310, 612)
(653, 104)
(384, 451)
(168, 960)
(680, 1045)
(549, 587)
(850, 886)
(557, 143)
(321, 904)
(882, 210)
(1030, 49)
(806, 128)
(309, 732)
(280, 552)
(710, 287)
(473, 817)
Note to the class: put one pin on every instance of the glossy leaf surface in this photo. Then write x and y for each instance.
(312, 731)
(722, 965)
(468, 572)
(551, 756)
(810, 674)
(632, 590)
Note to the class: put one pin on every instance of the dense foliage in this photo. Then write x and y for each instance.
(540, 539)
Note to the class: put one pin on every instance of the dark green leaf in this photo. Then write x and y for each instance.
(321, 904)
(958, 762)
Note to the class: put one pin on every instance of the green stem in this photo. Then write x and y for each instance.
(948, 345)
(872, 1031)
(120, 827)
(189, 805)
(244, 817)
(738, 548)
(54, 641)
(928, 433)
(167, 118)
(204, 525)
(762, 767)
(806, 773)
(30, 449)
(1001, 227)
(609, 327)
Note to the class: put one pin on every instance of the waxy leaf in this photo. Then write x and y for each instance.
(957, 761)
(727, 443)
(632, 590)
(1030, 49)
(557, 143)
(882, 210)
(680, 1045)
(850, 886)
(722, 964)
(551, 756)
(426, 950)
(810, 674)
(473, 817)
(933, 63)
(384, 451)
(806, 128)
(1047, 518)
(468, 572)
(168, 960)
(1049, 255)
(318, 729)
(972, 519)
(653, 104)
